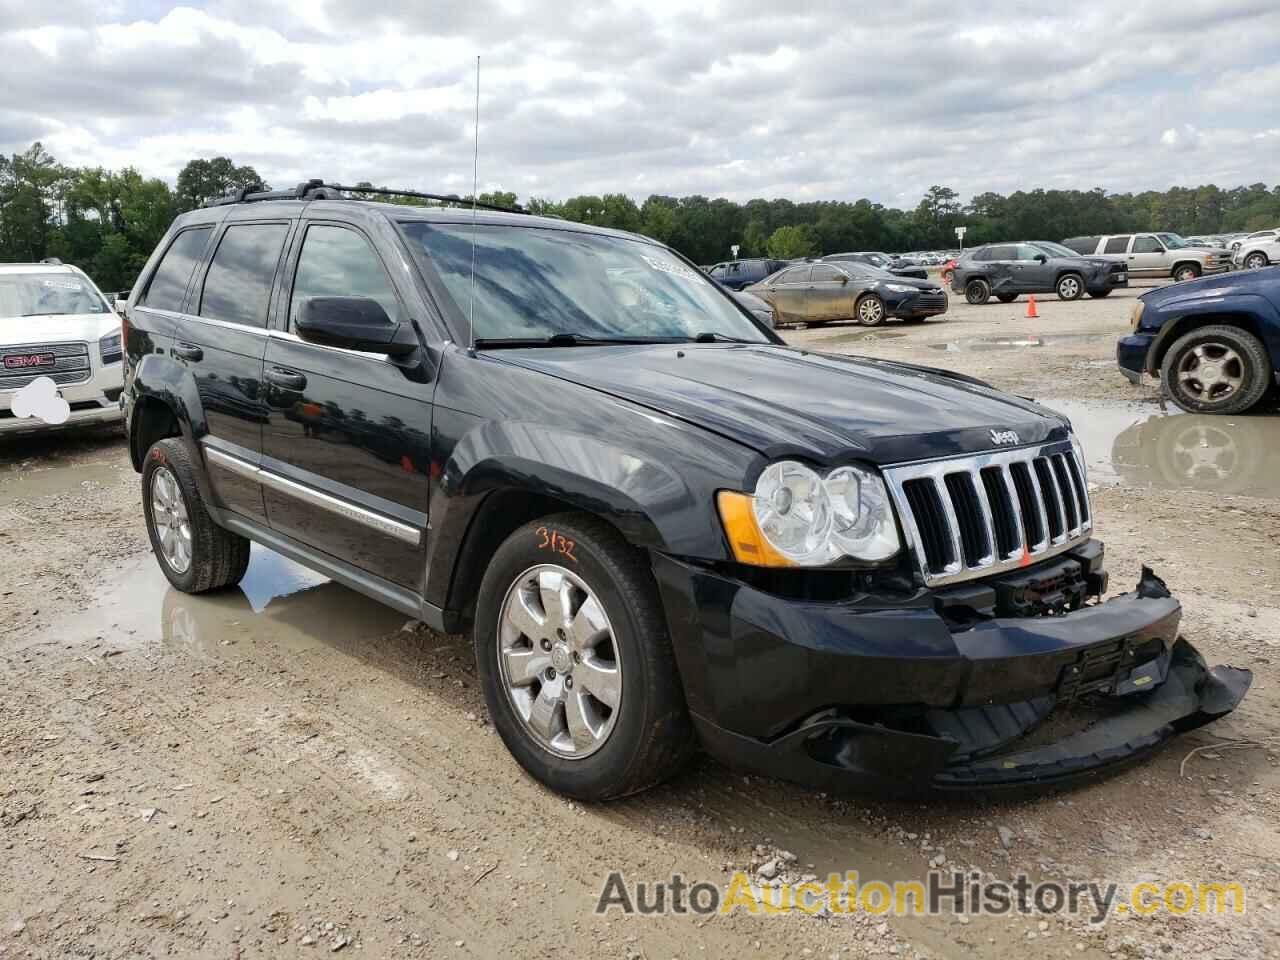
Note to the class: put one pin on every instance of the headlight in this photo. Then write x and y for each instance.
(1135, 313)
(797, 517)
(109, 348)
(899, 288)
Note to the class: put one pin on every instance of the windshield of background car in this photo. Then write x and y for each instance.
(1173, 241)
(533, 282)
(46, 294)
(1056, 249)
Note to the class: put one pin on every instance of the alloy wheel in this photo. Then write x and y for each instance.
(1211, 372)
(1069, 288)
(559, 661)
(169, 514)
(1186, 273)
(870, 311)
(1255, 261)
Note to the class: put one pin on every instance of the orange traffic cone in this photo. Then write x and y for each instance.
(1031, 307)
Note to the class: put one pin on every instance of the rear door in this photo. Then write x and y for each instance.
(223, 343)
(829, 293)
(1000, 267)
(346, 452)
(1148, 257)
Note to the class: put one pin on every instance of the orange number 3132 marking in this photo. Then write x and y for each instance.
(556, 542)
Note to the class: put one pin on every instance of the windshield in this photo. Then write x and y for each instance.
(45, 294)
(1173, 241)
(1056, 249)
(535, 283)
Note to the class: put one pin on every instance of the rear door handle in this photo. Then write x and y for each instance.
(188, 351)
(289, 379)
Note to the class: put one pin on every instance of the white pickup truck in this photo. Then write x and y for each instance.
(1154, 254)
(55, 323)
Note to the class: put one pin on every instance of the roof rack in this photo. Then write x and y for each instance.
(319, 190)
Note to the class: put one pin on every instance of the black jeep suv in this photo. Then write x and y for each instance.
(661, 525)
(1005, 270)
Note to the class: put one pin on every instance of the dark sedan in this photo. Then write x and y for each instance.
(1004, 270)
(899, 267)
(823, 292)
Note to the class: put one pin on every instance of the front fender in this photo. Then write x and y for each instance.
(1179, 314)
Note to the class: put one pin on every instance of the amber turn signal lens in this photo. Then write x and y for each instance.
(745, 539)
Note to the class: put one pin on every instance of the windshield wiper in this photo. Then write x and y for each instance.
(709, 337)
(566, 340)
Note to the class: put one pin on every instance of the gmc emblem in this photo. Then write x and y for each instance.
(17, 361)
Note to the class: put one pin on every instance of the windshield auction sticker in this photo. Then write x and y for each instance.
(675, 269)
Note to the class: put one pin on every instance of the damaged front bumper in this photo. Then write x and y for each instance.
(864, 695)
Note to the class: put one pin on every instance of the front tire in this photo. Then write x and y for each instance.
(870, 310)
(575, 661)
(195, 554)
(1099, 294)
(1070, 287)
(1217, 369)
(1255, 261)
(1186, 271)
(977, 292)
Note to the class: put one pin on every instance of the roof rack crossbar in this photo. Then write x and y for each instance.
(319, 190)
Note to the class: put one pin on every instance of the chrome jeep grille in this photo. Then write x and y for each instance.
(973, 516)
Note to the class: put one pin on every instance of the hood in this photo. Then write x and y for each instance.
(909, 281)
(1264, 283)
(908, 270)
(782, 401)
(56, 328)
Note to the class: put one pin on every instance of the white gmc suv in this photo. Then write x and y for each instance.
(55, 323)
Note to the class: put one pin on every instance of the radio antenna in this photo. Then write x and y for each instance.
(475, 196)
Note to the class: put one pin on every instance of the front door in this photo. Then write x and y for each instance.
(1147, 257)
(346, 452)
(829, 293)
(1032, 273)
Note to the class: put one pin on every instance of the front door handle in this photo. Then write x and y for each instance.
(289, 379)
(188, 351)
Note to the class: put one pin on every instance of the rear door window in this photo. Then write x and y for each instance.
(823, 272)
(795, 275)
(237, 288)
(1116, 245)
(168, 285)
(1003, 251)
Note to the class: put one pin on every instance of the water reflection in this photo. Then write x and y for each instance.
(1016, 343)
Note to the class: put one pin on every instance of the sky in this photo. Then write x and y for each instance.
(751, 98)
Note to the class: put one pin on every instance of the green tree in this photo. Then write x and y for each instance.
(789, 243)
(203, 180)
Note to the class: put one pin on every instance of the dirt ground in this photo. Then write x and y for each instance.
(289, 769)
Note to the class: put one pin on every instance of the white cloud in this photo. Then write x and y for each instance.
(735, 98)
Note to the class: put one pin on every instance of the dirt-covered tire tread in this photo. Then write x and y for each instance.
(219, 558)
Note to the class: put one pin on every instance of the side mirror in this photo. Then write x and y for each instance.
(354, 323)
(844, 280)
(1041, 258)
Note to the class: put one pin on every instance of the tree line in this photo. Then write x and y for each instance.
(108, 222)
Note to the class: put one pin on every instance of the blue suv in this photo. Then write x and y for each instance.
(1214, 343)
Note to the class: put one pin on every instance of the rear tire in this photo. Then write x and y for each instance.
(195, 554)
(1006, 297)
(1099, 294)
(977, 292)
(1186, 271)
(1217, 369)
(1070, 286)
(541, 581)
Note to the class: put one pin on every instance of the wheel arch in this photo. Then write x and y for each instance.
(1180, 327)
(1188, 262)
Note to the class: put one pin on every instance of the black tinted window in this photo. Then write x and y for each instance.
(337, 262)
(169, 282)
(238, 286)
(1116, 245)
(1082, 244)
(1147, 245)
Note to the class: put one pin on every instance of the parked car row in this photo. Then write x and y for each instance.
(1154, 254)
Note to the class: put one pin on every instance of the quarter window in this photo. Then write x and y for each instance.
(1147, 245)
(168, 285)
(237, 288)
(1116, 245)
(337, 262)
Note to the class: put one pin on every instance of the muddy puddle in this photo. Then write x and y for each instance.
(1142, 444)
(861, 336)
(28, 480)
(278, 601)
(1029, 342)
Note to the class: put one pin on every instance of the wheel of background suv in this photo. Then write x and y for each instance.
(870, 310)
(1217, 369)
(977, 292)
(1006, 297)
(1099, 294)
(195, 553)
(1186, 271)
(1070, 287)
(1256, 261)
(575, 661)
